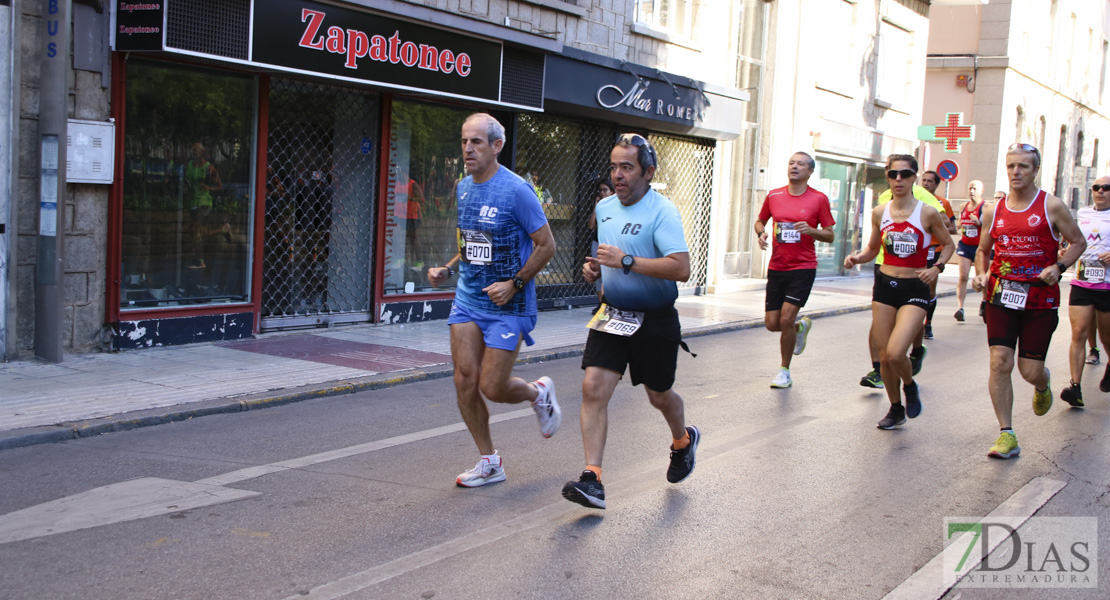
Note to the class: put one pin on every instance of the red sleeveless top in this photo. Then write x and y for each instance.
(1024, 244)
(905, 244)
(969, 226)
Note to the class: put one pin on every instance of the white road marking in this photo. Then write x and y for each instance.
(628, 486)
(116, 503)
(150, 496)
(930, 581)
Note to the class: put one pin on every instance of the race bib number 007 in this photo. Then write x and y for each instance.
(1014, 294)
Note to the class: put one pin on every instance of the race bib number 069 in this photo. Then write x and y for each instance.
(615, 321)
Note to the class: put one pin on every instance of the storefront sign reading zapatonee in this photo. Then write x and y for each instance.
(323, 38)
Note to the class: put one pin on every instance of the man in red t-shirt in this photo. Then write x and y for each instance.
(801, 215)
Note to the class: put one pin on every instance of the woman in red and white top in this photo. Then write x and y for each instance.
(1089, 303)
(905, 227)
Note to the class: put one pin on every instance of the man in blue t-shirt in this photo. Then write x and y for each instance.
(640, 255)
(504, 240)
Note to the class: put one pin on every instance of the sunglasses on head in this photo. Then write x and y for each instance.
(1101, 188)
(1023, 147)
(905, 173)
(638, 140)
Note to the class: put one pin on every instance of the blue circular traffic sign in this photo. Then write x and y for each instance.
(948, 170)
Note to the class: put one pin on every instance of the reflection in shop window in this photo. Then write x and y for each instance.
(187, 192)
(672, 16)
(425, 166)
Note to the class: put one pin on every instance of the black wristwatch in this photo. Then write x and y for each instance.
(627, 262)
(518, 283)
(1060, 265)
(939, 267)
(450, 271)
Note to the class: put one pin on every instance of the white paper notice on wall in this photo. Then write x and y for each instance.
(90, 151)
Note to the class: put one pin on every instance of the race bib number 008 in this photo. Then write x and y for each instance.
(475, 247)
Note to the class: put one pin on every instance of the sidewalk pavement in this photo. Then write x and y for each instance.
(90, 394)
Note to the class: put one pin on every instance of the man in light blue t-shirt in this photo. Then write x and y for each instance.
(504, 240)
(640, 255)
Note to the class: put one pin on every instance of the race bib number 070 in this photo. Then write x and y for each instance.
(475, 247)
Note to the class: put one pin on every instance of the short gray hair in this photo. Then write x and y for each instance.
(809, 159)
(494, 129)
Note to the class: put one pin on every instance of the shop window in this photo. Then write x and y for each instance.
(425, 166)
(187, 186)
(322, 178)
(564, 159)
(894, 65)
(675, 17)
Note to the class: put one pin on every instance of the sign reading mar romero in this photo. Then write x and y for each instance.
(322, 38)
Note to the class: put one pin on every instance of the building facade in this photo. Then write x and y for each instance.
(1030, 71)
(244, 166)
(847, 86)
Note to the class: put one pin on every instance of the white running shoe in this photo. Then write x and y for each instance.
(782, 379)
(803, 327)
(547, 407)
(486, 471)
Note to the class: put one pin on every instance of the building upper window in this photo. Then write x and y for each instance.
(675, 17)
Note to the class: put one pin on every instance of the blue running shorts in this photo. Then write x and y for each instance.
(503, 332)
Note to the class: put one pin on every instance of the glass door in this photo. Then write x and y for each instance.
(838, 181)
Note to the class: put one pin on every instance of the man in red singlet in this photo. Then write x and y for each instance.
(1023, 286)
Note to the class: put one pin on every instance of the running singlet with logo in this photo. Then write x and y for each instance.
(496, 219)
(905, 244)
(921, 194)
(791, 250)
(969, 229)
(1024, 244)
(651, 228)
(1090, 271)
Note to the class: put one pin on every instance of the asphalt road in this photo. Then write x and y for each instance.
(796, 494)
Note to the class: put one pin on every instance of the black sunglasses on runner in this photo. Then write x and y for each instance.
(1101, 188)
(638, 140)
(905, 173)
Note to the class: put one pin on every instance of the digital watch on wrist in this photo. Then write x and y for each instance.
(627, 262)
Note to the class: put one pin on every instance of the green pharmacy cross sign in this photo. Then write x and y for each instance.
(951, 133)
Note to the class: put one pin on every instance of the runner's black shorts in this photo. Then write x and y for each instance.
(966, 250)
(900, 291)
(651, 354)
(936, 256)
(1033, 327)
(1083, 296)
(788, 286)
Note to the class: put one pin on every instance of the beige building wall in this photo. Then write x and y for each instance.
(848, 87)
(1037, 74)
